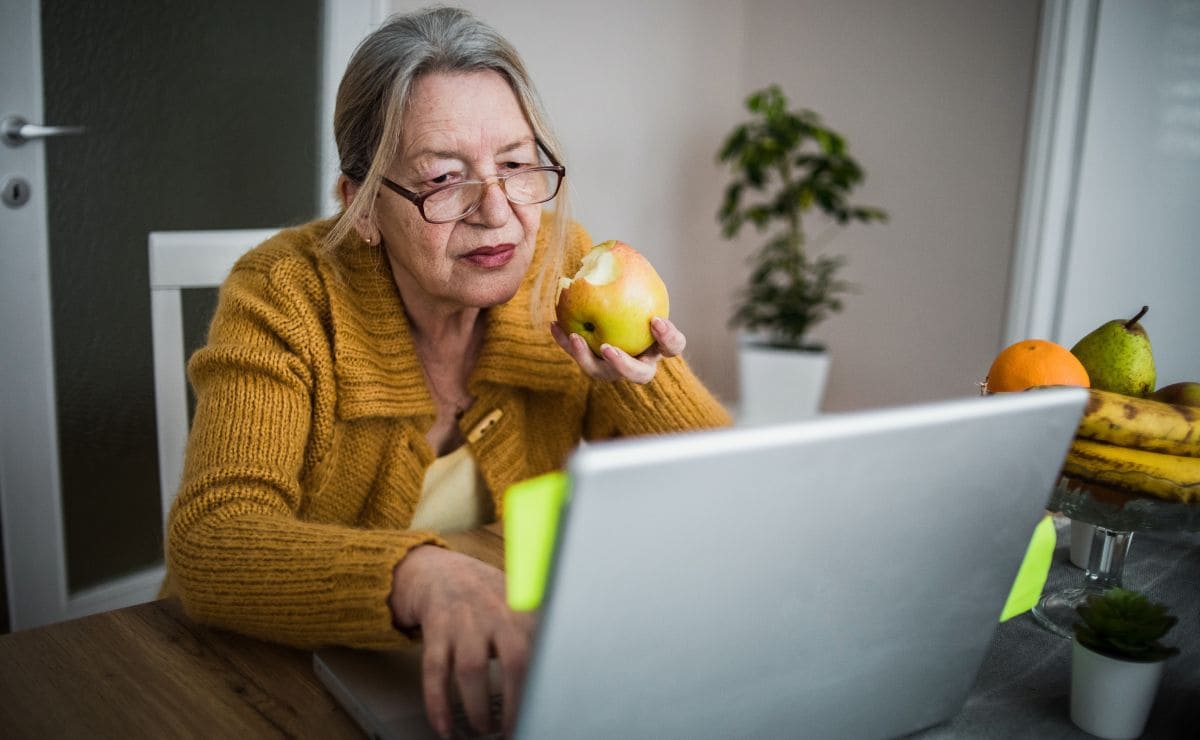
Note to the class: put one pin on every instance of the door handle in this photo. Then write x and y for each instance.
(16, 131)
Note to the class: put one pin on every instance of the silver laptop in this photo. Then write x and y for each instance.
(835, 577)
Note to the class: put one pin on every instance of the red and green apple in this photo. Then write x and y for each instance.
(612, 298)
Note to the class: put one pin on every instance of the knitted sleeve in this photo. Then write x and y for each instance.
(674, 401)
(238, 554)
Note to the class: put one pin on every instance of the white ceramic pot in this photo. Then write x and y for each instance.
(1111, 698)
(778, 385)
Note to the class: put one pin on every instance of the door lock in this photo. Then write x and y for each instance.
(16, 192)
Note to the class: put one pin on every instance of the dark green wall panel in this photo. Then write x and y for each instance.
(200, 115)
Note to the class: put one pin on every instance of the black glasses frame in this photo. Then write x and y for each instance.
(418, 199)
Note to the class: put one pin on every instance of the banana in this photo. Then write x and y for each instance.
(1173, 477)
(1141, 423)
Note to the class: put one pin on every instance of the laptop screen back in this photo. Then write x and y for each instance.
(838, 577)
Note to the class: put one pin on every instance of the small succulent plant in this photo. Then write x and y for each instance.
(1125, 625)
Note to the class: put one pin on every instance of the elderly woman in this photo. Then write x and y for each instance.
(377, 378)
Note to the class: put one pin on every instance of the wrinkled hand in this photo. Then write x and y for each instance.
(459, 604)
(618, 365)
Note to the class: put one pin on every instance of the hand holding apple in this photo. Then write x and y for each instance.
(612, 316)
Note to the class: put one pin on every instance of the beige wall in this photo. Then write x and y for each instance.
(933, 96)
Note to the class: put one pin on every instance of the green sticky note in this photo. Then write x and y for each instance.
(1031, 578)
(531, 514)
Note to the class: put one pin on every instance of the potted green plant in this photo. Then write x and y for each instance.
(785, 165)
(1117, 662)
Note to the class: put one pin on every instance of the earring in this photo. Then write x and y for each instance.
(370, 240)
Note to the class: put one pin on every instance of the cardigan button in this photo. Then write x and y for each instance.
(486, 423)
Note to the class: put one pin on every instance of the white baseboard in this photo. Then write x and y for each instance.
(135, 588)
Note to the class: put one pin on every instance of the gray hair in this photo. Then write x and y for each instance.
(375, 90)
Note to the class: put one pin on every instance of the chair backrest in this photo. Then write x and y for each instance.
(178, 260)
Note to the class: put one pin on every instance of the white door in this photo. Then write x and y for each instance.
(29, 502)
(271, 53)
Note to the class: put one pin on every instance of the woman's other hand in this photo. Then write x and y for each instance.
(459, 604)
(615, 364)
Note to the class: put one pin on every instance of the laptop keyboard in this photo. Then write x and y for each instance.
(462, 726)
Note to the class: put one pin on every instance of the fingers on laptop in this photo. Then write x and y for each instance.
(513, 653)
(435, 683)
(458, 682)
(471, 674)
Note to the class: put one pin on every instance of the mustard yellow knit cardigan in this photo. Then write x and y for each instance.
(307, 450)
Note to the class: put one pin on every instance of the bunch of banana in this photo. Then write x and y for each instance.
(1139, 444)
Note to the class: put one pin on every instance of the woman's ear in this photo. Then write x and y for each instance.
(347, 189)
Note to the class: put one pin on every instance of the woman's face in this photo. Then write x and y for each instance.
(460, 127)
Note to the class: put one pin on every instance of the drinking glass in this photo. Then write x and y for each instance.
(1117, 515)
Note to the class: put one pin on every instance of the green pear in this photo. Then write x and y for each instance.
(1186, 393)
(1117, 357)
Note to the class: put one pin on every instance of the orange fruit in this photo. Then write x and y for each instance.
(1033, 362)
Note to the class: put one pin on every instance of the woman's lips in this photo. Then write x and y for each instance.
(491, 257)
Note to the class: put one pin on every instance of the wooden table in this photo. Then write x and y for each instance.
(149, 671)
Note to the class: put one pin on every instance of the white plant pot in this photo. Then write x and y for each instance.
(1111, 698)
(778, 385)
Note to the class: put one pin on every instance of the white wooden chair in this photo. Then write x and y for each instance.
(178, 260)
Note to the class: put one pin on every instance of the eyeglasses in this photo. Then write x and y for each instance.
(457, 201)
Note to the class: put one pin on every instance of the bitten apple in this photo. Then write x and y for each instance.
(612, 298)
